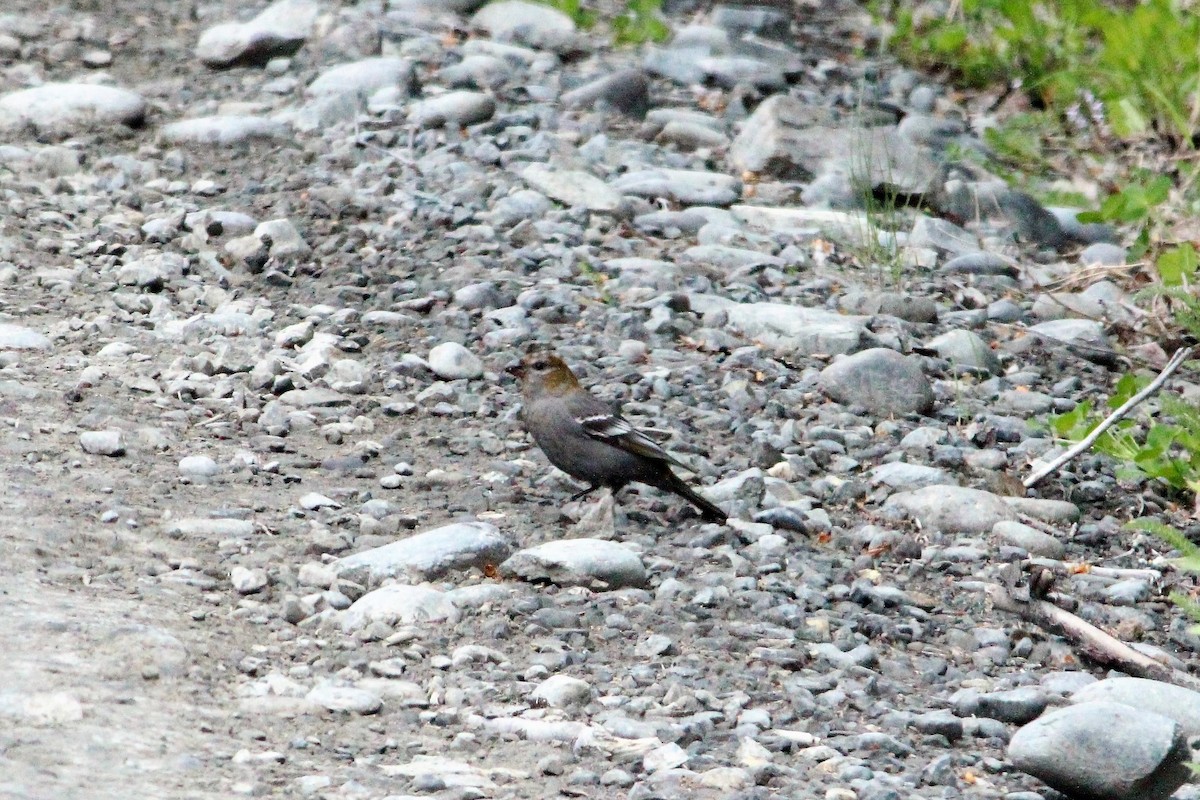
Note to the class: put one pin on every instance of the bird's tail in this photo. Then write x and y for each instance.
(708, 510)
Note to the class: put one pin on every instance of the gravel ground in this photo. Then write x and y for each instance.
(272, 527)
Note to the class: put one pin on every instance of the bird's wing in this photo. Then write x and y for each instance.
(615, 430)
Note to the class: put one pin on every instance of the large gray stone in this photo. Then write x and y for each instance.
(279, 30)
(1104, 751)
(882, 380)
(953, 509)
(788, 329)
(58, 109)
(597, 563)
(429, 555)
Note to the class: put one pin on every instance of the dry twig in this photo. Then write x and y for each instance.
(1175, 363)
(1092, 642)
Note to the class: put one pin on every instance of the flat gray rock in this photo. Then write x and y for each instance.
(882, 380)
(790, 329)
(18, 337)
(455, 108)
(785, 138)
(953, 509)
(688, 187)
(429, 555)
(596, 563)
(363, 77)
(534, 24)
(1028, 538)
(900, 475)
(1104, 751)
(573, 188)
(399, 604)
(61, 108)
(222, 130)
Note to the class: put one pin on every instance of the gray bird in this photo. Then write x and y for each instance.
(585, 438)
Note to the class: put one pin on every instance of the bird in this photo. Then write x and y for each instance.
(585, 438)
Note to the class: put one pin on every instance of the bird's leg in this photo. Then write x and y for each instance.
(584, 493)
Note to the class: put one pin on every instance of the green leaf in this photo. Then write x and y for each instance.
(1177, 265)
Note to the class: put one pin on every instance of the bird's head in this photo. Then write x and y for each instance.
(543, 373)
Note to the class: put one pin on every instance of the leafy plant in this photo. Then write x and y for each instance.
(1165, 447)
(1188, 561)
(1133, 205)
(640, 22)
(573, 9)
(1136, 68)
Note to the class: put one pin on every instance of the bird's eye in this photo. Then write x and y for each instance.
(539, 364)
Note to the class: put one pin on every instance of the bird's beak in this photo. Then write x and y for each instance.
(516, 369)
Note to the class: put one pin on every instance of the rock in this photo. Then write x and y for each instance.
(1015, 706)
(882, 380)
(1175, 702)
(279, 30)
(18, 337)
(627, 91)
(595, 563)
(248, 581)
(59, 109)
(562, 691)
(900, 475)
(980, 263)
(345, 698)
(429, 555)
(965, 350)
(211, 528)
(1028, 538)
(457, 108)
(399, 604)
(221, 131)
(953, 509)
(1085, 336)
(524, 22)
(364, 77)
(786, 139)
(689, 187)
(1103, 254)
(789, 329)
(943, 236)
(102, 443)
(198, 467)
(1104, 751)
(451, 361)
(572, 188)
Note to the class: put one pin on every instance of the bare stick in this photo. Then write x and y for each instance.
(1093, 643)
(1175, 363)
(1121, 573)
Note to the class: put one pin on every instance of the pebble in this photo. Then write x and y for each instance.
(345, 699)
(451, 361)
(198, 467)
(562, 691)
(102, 443)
